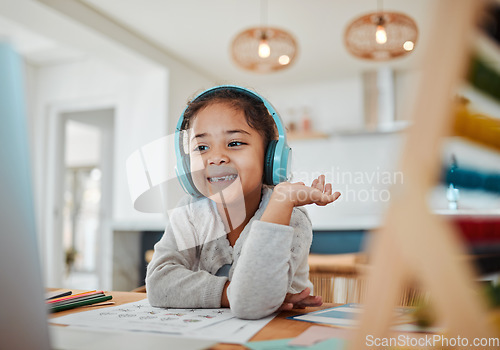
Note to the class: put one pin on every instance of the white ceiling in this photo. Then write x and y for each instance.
(199, 32)
(37, 49)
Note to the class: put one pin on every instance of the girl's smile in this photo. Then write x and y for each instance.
(220, 176)
(225, 178)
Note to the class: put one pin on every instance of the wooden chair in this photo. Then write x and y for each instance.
(336, 277)
(340, 278)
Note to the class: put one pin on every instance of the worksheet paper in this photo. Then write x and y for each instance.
(214, 324)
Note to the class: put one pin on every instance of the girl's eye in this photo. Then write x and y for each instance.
(200, 148)
(236, 143)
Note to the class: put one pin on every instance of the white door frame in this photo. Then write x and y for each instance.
(52, 193)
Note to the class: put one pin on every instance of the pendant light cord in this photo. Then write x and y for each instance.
(263, 13)
(380, 10)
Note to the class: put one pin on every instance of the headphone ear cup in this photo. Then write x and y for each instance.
(269, 162)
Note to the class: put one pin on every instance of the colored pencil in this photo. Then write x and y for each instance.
(57, 294)
(82, 298)
(80, 303)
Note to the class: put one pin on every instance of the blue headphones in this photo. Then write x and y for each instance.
(277, 157)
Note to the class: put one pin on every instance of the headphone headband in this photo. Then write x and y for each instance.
(269, 106)
(277, 158)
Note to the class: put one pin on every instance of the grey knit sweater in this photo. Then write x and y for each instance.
(268, 260)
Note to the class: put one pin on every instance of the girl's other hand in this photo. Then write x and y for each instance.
(300, 300)
(298, 194)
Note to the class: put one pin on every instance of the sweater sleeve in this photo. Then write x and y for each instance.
(174, 280)
(273, 262)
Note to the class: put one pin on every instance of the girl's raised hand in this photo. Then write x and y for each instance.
(298, 194)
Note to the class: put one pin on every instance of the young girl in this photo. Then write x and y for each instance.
(248, 243)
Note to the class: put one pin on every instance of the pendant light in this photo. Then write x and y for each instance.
(264, 49)
(382, 35)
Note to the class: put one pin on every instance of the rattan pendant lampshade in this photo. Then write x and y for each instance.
(264, 49)
(381, 35)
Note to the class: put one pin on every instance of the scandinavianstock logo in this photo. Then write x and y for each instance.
(357, 186)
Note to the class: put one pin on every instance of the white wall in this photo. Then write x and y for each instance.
(183, 86)
(360, 166)
(331, 105)
(145, 113)
(139, 102)
(140, 110)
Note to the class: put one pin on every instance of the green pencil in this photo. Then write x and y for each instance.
(80, 303)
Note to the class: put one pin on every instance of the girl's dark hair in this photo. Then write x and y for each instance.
(256, 113)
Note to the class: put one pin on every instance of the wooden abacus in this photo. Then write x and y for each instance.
(413, 244)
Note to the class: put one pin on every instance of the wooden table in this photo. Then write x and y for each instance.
(278, 328)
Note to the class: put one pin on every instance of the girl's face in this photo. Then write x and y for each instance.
(226, 154)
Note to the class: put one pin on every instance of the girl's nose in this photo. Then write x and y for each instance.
(217, 158)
